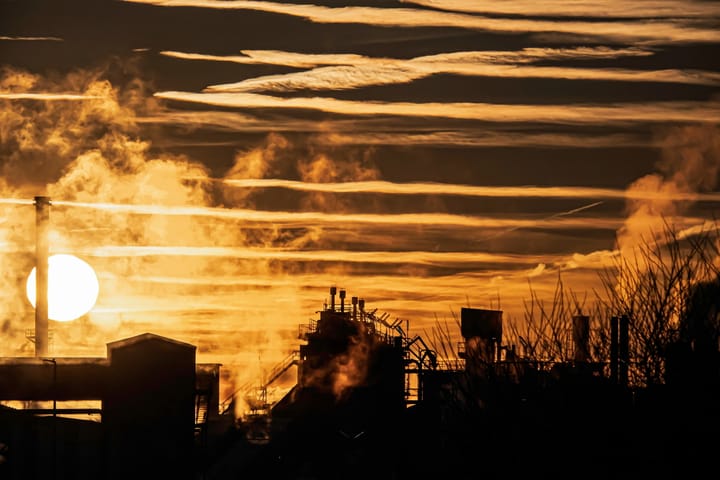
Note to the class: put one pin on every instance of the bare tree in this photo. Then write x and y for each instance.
(653, 284)
(544, 332)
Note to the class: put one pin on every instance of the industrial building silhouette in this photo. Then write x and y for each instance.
(147, 386)
(369, 401)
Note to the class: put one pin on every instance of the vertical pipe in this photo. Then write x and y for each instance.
(332, 298)
(614, 349)
(624, 350)
(581, 338)
(354, 301)
(42, 220)
(342, 300)
(361, 305)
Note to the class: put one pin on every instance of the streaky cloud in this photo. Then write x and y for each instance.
(309, 218)
(310, 60)
(30, 39)
(650, 31)
(428, 188)
(677, 111)
(587, 8)
(346, 71)
(379, 131)
(386, 257)
(46, 96)
(275, 57)
(350, 77)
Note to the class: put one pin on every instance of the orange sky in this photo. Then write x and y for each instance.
(222, 164)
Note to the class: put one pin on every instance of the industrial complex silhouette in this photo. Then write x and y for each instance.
(368, 401)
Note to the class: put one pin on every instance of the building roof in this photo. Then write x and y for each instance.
(145, 337)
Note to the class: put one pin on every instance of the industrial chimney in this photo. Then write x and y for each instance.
(333, 290)
(581, 338)
(42, 220)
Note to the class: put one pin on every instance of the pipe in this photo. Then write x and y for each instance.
(354, 301)
(581, 338)
(614, 349)
(42, 220)
(342, 300)
(333, 290)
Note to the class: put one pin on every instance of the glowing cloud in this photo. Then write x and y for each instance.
(651, 31)
(418, 188)
(596, 8)
(337, 72)
(31, 39)
(46, 96)
(568, 114)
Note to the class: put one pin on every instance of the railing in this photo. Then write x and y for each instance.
(304, 330)
(283, 367)
(275, 373)
(201, 407)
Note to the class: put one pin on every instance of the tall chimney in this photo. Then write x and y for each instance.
(581, 337)
(42, 220)
(332, 298)
(354, 301)
(361, 306)
(342, 300)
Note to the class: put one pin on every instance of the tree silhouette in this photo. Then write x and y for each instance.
(662, 285)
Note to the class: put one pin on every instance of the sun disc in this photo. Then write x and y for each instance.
(73, 287)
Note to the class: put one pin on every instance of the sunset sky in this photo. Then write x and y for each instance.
(221, 164)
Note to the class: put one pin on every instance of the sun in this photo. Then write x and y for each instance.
(72, 287)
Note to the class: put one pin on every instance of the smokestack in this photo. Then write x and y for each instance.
(333, 290)
(42, 220)
(581, 338)
(354, 301)
(361, 306)
(342, 300)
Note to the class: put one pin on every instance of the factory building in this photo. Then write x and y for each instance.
(154, 401)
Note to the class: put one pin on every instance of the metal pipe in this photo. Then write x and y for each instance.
(354, 301)
(581, 338)
(42, 220)
(342, 300)
(333, 290)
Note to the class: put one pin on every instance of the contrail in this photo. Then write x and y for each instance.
(575, 210)
(556, 215)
